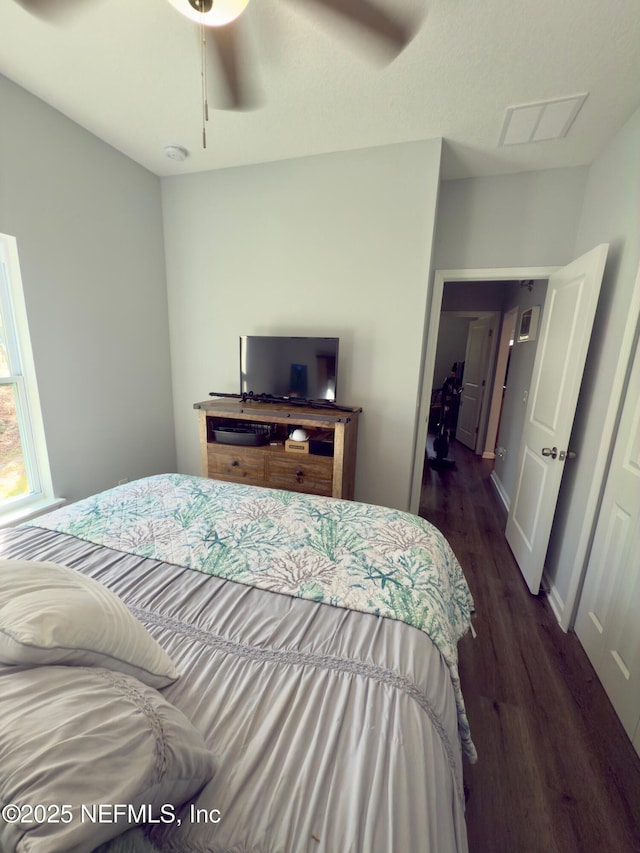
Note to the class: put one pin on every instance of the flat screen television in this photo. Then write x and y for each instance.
(289, 367)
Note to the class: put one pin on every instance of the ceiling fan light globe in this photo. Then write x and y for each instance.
(222, 11)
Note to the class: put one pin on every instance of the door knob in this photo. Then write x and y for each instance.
(550, 451)
(567, 454)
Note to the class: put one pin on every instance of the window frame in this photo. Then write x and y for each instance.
(23, 380)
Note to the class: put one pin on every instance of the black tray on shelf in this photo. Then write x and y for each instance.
(253, 435)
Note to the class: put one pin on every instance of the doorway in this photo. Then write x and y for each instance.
(457, 282)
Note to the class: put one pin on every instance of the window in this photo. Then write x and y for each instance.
(25, 481)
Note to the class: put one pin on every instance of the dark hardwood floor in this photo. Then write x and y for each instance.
(556, 772)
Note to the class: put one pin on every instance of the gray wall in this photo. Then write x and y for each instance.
(89, 230)
(528, 219)
(338, 244)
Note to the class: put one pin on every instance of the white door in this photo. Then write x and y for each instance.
(565, 329)
(473, 382)
(608, 622)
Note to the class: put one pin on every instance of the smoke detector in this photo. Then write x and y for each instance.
(176, 152)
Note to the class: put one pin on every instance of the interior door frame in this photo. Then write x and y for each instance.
(509, 321)
(430, 343)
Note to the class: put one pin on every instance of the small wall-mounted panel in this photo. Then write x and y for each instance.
(529, 324)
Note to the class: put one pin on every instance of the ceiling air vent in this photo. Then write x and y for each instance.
(541, 121)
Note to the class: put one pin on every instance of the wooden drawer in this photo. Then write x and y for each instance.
(311, 474)
(240, 464)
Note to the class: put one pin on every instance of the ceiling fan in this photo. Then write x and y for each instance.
(221, 18)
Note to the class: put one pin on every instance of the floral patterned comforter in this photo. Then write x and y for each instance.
(342, 553)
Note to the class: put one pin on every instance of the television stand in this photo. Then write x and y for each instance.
(325, 467)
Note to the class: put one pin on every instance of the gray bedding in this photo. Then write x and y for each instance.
(332, 730)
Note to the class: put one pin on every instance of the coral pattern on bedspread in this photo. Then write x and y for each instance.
(344, 553)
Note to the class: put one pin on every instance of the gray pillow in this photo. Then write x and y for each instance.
(51, 614)
(77, 742)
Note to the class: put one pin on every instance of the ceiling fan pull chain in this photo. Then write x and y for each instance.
(203, 76)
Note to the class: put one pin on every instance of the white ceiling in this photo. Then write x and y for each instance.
(129, 71)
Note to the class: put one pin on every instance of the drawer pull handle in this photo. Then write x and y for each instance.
(299, 476)
(235, 463)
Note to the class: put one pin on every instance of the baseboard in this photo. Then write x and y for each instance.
(554, 599)
(504, 497)
(488, 455)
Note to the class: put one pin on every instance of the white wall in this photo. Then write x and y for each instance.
(338, 244)
(611, 213)
(89, 231)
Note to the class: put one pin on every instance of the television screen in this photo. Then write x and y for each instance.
(302, 368)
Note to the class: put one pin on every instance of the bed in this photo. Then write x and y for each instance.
(302, 689)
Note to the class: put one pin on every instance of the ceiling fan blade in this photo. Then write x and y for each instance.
(388, 28)
(228, 50)
(51, 10)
